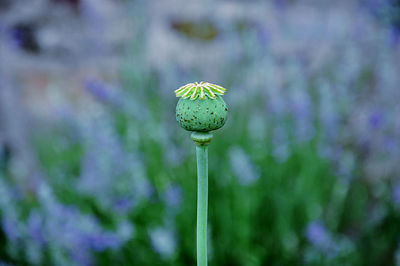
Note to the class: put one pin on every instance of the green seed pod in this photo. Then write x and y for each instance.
(201, 109)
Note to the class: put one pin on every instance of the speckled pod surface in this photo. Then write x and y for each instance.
(201, 115)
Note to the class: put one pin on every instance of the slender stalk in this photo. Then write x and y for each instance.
(202, 203)
(203, 112)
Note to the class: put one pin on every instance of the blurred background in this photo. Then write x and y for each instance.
(94, 169)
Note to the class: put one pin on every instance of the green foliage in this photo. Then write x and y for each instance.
(260, 222)
(256, 224)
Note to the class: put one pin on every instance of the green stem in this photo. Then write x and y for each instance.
(202, 202)
(202, 139)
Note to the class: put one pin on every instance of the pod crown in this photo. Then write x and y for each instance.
(199, 89)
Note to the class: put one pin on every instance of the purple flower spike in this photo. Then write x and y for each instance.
(97, 89)
(173, 196)
(10, 228)
(163, 241)
(375, 120)
(34, 227)
(317, 235)
(102, 92)
(396, 194)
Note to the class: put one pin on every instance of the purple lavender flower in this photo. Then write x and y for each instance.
(82, 233)
(394, 35)
(34, 227)
(262, 35)
(396, 193)
(391, 146)
(125, 230)
(97, 89)
(301, 108)
(280, 4)
(375, 120)
(280, 141)
(100, 242)
(144, 188)
(123, 204)
(11, 228)
(317, 235)
(242, 166)
(173, 196)
(327, 114)
(102, 92)
(163, 241)
(80, 256)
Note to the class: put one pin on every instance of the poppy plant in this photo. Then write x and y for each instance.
(200, 110)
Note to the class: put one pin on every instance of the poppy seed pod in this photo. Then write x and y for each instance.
(201, 107)
(201, 110)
